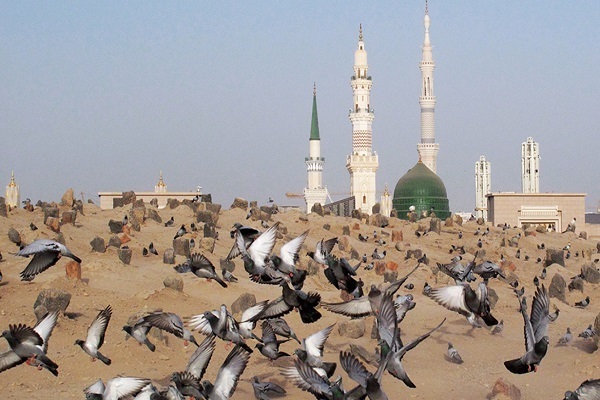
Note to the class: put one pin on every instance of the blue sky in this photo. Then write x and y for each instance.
(101, 96)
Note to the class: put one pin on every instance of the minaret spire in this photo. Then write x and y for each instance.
(315, 192)
(427, 148)
(363, 162)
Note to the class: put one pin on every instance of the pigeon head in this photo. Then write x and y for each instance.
(571, 396)
(79, 342)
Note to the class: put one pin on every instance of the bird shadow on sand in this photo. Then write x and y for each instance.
(585, 346)
(73, 315)
(3, 283)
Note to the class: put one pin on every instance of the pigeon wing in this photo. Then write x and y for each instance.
(412, 344)
(97, 329)
(39, 246)
(289, 251)
(201, 358)
(24, 333)
(354, 368)
(528, 328)
(122, 386)
(230, 372)
(262, 247)
(9, 359)
(451, 297)
(589, 389)
(387, 326)
(360, 307)
(40, 262)
(540, 309)
(166, 321)
(314, 343)
(276, 308)
(307, 379)
(201, 324)
(45, 327)
(95, 388)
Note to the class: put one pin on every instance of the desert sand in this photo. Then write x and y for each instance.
(139, 287)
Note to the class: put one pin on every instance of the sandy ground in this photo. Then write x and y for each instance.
(139, 286)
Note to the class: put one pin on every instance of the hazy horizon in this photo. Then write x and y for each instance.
(104, 96)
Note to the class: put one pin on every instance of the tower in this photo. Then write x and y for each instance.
(530, 166)
(427, 149)
(363, 162)
(483, 186)
(160, 186)
(314, 192)
(13, 195)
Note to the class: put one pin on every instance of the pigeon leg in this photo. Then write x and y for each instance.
(30, 360)
(186, 342)
(93, 359)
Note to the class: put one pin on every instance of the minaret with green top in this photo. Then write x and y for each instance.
(314, 192)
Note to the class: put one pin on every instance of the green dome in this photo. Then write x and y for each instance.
(422, 188)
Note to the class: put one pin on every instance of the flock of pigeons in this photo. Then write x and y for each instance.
(308, 371)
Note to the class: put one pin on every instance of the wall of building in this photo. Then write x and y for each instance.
(106, 198)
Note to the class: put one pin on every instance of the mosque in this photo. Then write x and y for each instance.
(420, 190)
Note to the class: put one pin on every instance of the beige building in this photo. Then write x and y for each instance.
(554, 210)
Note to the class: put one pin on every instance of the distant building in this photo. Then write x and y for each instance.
(13, 195)
(362, 164)
(530, 166)
(483, 186)
(315, 192)
(554, 210)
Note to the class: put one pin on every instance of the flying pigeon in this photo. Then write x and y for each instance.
(312, 352)
(228, 375)
(95, 336)
(221, 324)
(45, 253)
(248, 234)
(171, 323)
(288, 255)
(323, 250)
(200, 266)
(116, 388)
(536, 329)
(270, 345)
(588, 390)
(281, 328)
(262, 390)
(474, 305)
(139, 332)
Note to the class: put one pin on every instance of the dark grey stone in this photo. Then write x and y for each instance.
(114, 241)
(115, 226)
(313, 267)
(317, 208)
(327, 227)
(181, 246)
(555, 256)
(206, 217)
(354, 255)
(590, 274)
(14, 236)
(3, 208)
(242, 303)
(210, 230)
(240, 203)
(435, 225)
(376, 209)
(152, 214)
(60, 238)
(98, 244)
(50, 300)
(128, 197)
(214, 208)
(558, 288)
(390, 276)
(346, 230)
(68, 217)
(576, 284)
(125, 255)
(492, 297)
(50, 212)
(169, 256)
(173, 203)
(416, 254)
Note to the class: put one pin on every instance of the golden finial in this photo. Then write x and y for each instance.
(360, 33)
(386, 192)
(426, 8)
(160, 180)
(12, 179)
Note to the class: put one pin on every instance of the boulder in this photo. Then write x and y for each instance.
(597, 329)
(53, 223)
(480, 221)
(590, 274)
(98, 244)
(78, 207)
(114, 241)
(50, 300)
(115, 226)
(154, 202)
(435, 225)
(576, 284)
(398, 246)
(214, 208)
(344, 244)
(540, 229)
(378, 220)
(125, 255)
(346, 230)
(181, 246)
(458, 220)
(68, 199)
(169, 256)
(390, 276)
(448, 222)
(416, 254)
(14, 236)
(125, 239)
(379, 267)
(555, 256)
(128, 197)
(50, 212)
(394, 213)
(397, 236)
(583, 235)
(412, 216)
(327, 227)
(502, 387)
(492, 297)
(210, 230)
(174, 282)
(354, 255)
(352, 329)
(313, 267)
(206, 217)
(3, 207)
(28, 207)
(240, 203)
(317, 208)
(152, 214)
(376, 209)
(227, 265)
(242, 303)
(60, 238)
(391, 266)
(558, 287)
(73, 270)
(207, 245)
(173, 203)
(137, 214)
(68, 217)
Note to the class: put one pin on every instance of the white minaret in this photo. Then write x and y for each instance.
(363, 162)
(314, 192)
(427, 149)
(13, 195)
(530, 166)
(483, 186)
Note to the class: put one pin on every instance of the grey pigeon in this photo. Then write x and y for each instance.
(248, 235)
(180, 232)
(588, 390)
(566, 338)
(288, 255)
(312, 352)
(306, 378)
(583, 303)
(228, 375)
(323, 250)
(262, 390)
(536, 330)
(170, 222)
(270, 345)
(187, 384)
(171, 323)
(498, 328)
(554, 316)
(152, 249)
(95, 336)
(29, 345)
(228, 276)
(588, 333)
(453, 355)
(473, 304)
(139, 332)
(45, 253)
(200, 266)
(371, 383)
(488, 270)
(116, 388)
(281, 328)
(220, 323)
